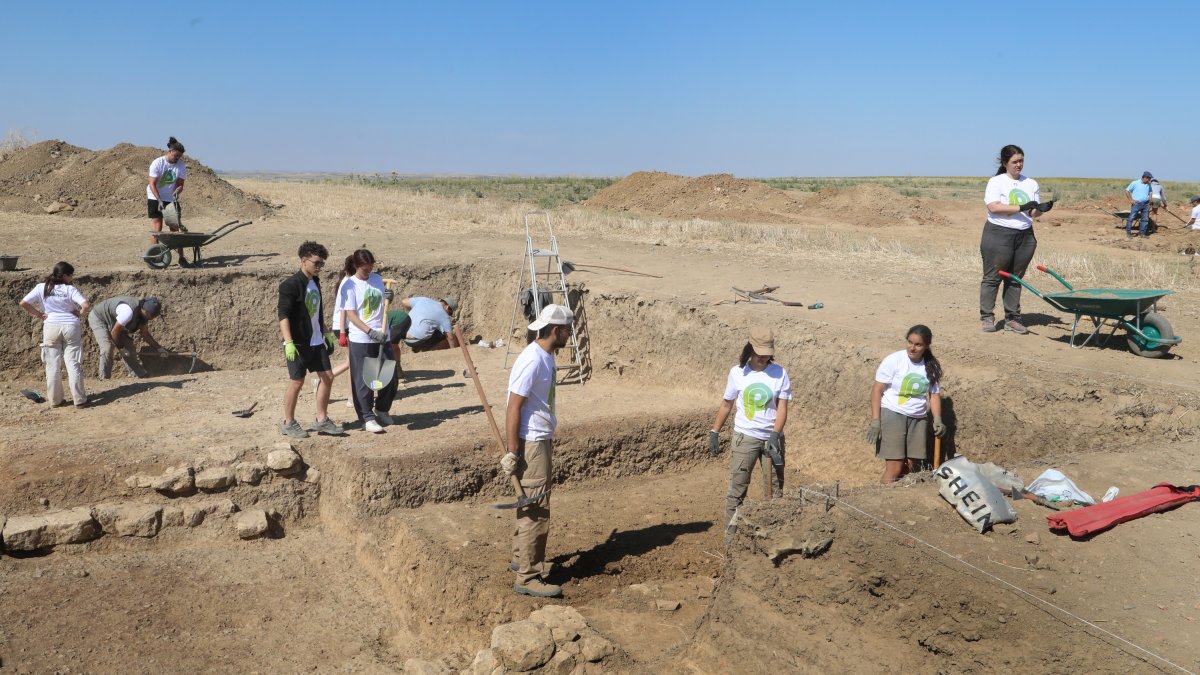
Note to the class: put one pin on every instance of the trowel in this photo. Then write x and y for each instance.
(247, 412)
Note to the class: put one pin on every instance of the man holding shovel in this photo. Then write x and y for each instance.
(529, 424)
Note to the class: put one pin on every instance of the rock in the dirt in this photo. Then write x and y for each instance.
(172, 516)
(554, 616)
(140, 480)
(667, 605)
(485, 663)
(249, 473)
(218, 507)
(31, 533)
(312, 476)
(176, 482)
(193, 515)
(594, 648)
(564, 634)
(129, 520)
(216, 478)
(522, 645)
(561, 664)
(57, 207)
(423, 667)
(252, 523)
(1033, 538)
(283, 459)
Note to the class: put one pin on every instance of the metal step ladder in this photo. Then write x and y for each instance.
(550, 279)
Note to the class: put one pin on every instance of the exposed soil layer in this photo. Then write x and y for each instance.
(110, 183)
(714, 197)
(873, 206)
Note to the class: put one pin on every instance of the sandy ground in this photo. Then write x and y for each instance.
(660, 349)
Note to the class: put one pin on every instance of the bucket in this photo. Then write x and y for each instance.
(8, 263)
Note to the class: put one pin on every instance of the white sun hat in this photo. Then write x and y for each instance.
(553, 314)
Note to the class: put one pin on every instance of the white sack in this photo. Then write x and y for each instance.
(977, 500)
(1052, 484)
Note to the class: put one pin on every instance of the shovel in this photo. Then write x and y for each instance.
(378, 372)
(247, 412)
(32, 396)
(1018, 493)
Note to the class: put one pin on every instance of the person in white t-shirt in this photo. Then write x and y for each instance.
(59, 305)
(167, 176)
(1194, 223)
(907, 388)
(760, 389)
(361, 304)
(343, 339)
(529, 424)
(1008, 242)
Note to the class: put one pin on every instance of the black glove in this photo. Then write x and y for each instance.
(1045, 206)
(775, 448)
(714, 443)
(389, 295)
(1029, 207)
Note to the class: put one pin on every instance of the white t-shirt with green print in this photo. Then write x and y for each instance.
(312, 302)
(757, 394)
(364, 298)
(1005, 190)
(908, 387)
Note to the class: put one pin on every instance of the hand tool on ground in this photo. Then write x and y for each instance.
(379, 371)
(1018, 494)
(757, 295)
(523, 500)
(247, 412)
(32, 396)
(568, 267)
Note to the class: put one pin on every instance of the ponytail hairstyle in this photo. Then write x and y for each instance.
(747, 352)
(933, 367)
(62, 269)
(360, 257)
(1006, 154)
(173, 144)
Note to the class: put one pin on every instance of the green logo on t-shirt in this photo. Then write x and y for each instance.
(1016, 198)
(372, 301)
(756, 398)
(312, 301)
(167, 178)
(914, 385)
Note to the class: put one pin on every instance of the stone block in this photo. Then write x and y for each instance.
(522, 645)
(129, 520)
(140, 480)
(215, 479)
(594, 648)
(31, 533)
(172, 516)
(176, 482)
(561, 663)
(283, 459)
(485, 663)
(552, 616)
(249, 473)
(252, 523)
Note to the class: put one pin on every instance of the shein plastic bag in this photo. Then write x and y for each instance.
(977, 500)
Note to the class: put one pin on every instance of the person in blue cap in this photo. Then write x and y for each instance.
(1139, 205)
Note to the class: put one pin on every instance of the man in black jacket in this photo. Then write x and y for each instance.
(306, 342)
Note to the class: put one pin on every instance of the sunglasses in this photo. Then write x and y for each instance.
(316, 262)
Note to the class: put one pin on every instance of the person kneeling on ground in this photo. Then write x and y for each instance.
(907, 387)
(761, 389)
(427, 327)
(113, 322)
(306, 343)
(529, 424)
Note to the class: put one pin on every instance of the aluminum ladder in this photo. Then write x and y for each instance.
(551, 280)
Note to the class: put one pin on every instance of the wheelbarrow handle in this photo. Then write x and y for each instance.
(1056, 275)
(1021, 281)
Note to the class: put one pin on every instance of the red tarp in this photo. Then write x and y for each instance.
(1100, 517)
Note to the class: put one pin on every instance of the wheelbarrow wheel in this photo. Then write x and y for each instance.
(1154, 325)
(158, 257)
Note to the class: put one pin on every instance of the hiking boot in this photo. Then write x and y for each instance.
(372, 426)
(384, 419)
(538, 589)
(989, 326)
(1016, 327)
(292, 429)
(546, 566)
(328, 427)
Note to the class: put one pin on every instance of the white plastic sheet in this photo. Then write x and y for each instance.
(1055, 486)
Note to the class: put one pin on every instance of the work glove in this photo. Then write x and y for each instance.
(714, 443)
(389, 295)
(161, 205)
(508, 463)
(1029, 207)
(163, 351)
(376, 335)
(1045, 206)
(329, 339)
(873, 432)
(343, 340)
(290, 351)
(775, 449)
(939, 427)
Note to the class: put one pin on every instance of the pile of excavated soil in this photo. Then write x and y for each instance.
(714, 197)
(57, 177)
(874, 205)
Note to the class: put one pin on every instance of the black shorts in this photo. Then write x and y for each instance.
(313, 359)
(427, 343)
(153, 211)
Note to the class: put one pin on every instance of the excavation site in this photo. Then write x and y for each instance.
(154, 531)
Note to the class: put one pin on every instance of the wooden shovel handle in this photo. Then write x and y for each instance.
(486, 408)
(937, 452)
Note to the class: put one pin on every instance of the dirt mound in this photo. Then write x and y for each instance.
(109, 183)
(713, 197)
(874, 205)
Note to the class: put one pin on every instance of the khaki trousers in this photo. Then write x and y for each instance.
(533, 521)
(105, 343)
(63, 343)
(746, 451)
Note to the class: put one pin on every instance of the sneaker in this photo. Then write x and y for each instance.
(328, 427)
(989, 326)
(538, 589)
(1129, 235)
(1145, 236)
(384, 419)
(1016, 327)
(547, 568)
(372, 426)
(292, 429)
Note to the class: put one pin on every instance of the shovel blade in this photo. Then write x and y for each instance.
(521, 502)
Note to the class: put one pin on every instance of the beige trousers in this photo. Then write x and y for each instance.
(746, 451)
(63, 343)
(533, 521)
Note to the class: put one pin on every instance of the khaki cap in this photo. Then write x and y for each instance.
(762, 340)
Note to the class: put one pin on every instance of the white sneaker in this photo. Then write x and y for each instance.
(373, 427)
(384, 418)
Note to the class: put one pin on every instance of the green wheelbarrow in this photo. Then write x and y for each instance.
(1148, 333)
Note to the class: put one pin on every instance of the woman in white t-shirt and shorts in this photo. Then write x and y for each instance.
(166, 177)
(760, 389)
(1008, 241)
(907, 388)
(59, 305)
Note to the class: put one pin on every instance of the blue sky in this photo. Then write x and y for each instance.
(754, 89)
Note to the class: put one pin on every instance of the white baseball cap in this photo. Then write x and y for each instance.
(553, 314)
